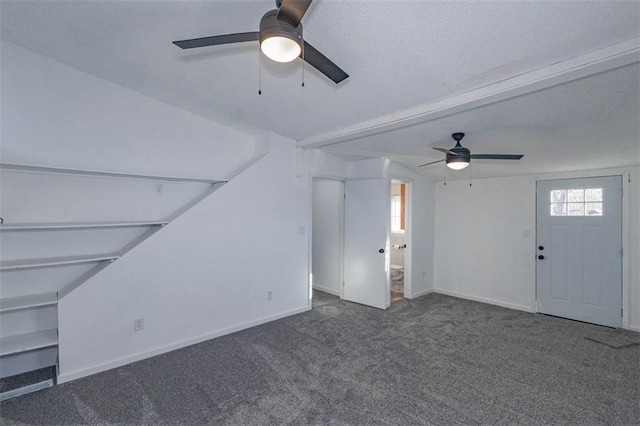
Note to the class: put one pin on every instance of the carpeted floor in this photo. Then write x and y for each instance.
(432, 360)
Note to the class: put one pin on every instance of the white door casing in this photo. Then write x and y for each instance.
(366, 245)
(579, 257)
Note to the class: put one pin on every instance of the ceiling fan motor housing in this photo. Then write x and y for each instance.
(462, 154)
(271, 26)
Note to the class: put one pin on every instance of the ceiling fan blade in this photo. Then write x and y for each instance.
(497, 156)
(446, 151)
(433, 162)
(215, 40)
(292, 11)
(323, 64)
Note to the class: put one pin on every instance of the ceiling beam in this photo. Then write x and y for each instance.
(596, 62)
(379, 154)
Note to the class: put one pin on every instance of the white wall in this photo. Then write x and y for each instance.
(321, 164)
(54, 115)
(205, 274)
(327, 235)
(481, 251)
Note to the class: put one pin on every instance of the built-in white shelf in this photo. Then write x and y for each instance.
(8, 304)
(54, 261)
(81, 172)
(28, 342)
(77, 225)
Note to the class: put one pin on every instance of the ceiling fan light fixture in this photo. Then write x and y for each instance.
(457, 164)
(280, 49)
(279, 40)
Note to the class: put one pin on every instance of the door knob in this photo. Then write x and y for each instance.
(540, 248)
(381, 251)
(541, 257)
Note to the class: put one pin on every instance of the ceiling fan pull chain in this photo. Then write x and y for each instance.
(259, 73)
(444, 173)
(302, 62)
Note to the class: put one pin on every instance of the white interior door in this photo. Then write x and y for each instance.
(579, 249)
(366, 242)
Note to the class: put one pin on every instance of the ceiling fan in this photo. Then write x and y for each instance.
(459, 157)
(280, 38)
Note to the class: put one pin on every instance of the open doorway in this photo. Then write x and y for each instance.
(398, 244)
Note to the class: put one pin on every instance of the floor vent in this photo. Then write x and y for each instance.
(26, 389)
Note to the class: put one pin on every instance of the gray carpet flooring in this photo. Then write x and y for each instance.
(432, 360)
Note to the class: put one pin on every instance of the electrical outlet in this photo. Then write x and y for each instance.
(269, 295)
(138, 324)
(158, 188)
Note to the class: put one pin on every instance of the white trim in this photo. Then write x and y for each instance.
(74, 375)
(76, 225)
(633, 328)
(421, 293)
(326, 290)
(55, 261)
(8, 304)
(605, 59)
(486, 300)
(26, 389)
(117, 175)
(626, 303)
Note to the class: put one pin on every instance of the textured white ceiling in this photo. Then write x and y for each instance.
(399, 54)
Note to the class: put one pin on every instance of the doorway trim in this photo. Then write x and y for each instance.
(615, 185)
(627, 188)
(408, 258)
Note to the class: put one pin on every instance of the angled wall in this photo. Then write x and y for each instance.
(206, 273)
(54, 115)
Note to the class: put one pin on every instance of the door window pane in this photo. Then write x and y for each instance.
(577, 202)
(575, 195)
(593, 209)
(559, 196)
(593, 194)
(576, 209)
(558, 209)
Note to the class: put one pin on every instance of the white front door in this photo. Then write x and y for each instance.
(366, 242)
(579, 249)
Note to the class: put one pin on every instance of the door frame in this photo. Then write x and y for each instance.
(625, 173)
(407, 235)
(565, 183)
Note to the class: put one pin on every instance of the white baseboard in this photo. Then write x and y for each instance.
(486, 300)
(634, 328)
(67, 377)
(327, 290)
(421, 293)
